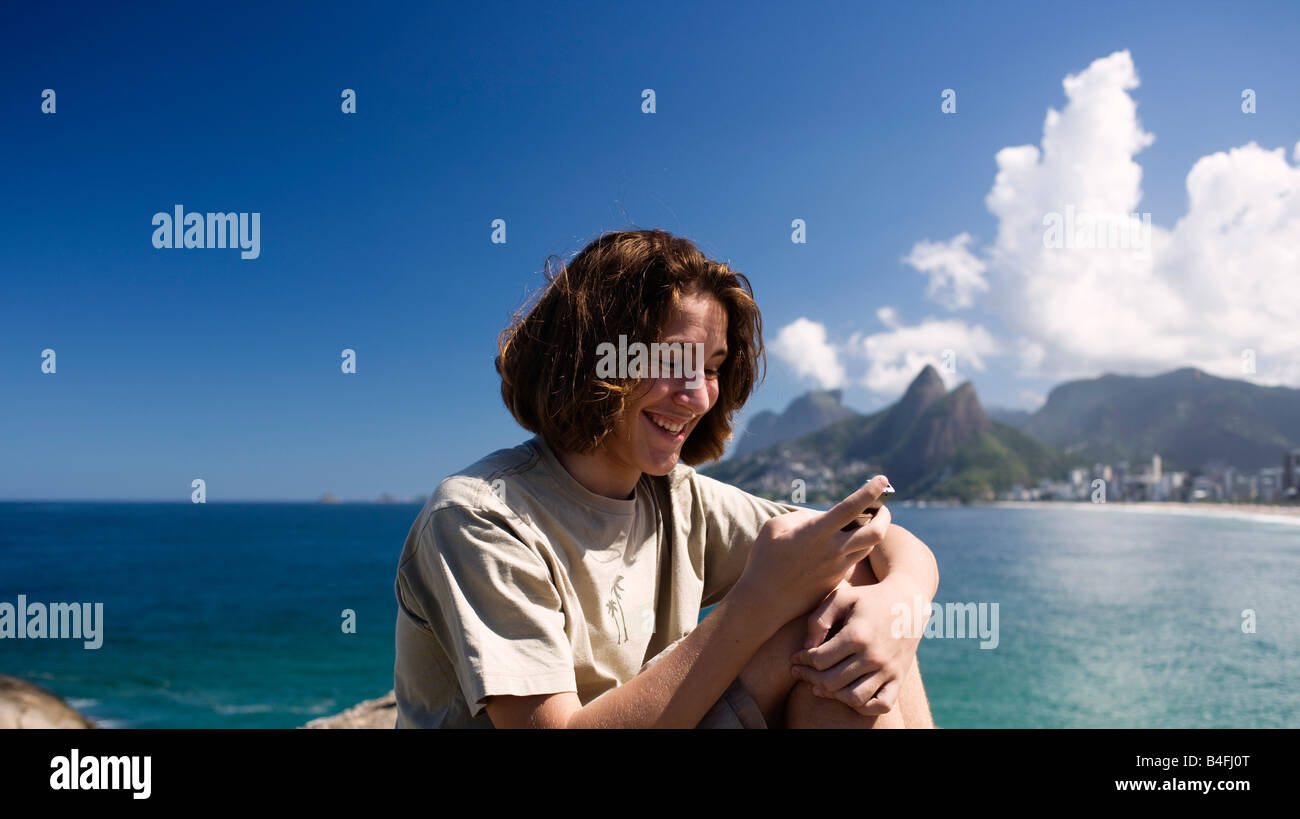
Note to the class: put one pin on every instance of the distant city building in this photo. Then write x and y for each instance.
(1215, 480)
(1270, 483)
(1291, 472)
(1202, 489)
(1169, 487)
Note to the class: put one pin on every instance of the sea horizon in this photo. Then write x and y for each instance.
(231, 615)
(286, 501)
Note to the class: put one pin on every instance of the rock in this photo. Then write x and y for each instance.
(377, 713)
(23, 705)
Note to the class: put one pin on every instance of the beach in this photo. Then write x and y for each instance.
(1253, 511)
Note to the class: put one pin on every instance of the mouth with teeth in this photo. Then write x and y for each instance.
(672, 429)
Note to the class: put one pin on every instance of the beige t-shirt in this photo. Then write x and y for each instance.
(517, 580)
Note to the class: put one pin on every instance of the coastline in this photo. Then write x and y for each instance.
(380, 712)
(1287, 515)
(27, 704)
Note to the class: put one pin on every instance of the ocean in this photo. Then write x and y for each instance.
(229, 615)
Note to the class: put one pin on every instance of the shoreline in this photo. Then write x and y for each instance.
(380, 712)
(1289, 515)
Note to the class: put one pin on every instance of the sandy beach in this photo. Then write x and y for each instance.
(1289, 515)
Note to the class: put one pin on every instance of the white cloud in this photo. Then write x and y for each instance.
(956, 275)
(802, 344)
(1031, 357)
(1218, 289)
(1224, 279)
(895, 356)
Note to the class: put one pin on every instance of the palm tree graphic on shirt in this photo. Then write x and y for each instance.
(615, 607)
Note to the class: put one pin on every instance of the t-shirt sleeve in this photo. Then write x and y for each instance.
(732, 519)
(490, 600)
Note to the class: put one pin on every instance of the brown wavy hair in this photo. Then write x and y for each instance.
(623, 283)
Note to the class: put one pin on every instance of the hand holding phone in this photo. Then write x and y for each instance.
(870, 512)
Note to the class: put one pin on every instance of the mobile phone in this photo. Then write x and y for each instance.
(870, 512)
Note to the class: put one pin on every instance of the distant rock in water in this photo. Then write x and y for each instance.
(808, 413)
(377, 713)
(23, 705)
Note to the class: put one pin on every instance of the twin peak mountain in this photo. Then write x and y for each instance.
(932, 442)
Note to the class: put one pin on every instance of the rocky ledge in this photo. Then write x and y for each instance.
(24, 705)
(376, 713)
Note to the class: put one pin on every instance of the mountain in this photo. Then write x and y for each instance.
(938, 444)
(931, 443)
(925, 391)
(1188, 417)
(1011, 417)
(807, 413)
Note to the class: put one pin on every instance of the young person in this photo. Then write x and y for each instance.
(558, 583)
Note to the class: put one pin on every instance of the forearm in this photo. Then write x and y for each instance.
(680, 688)
(903, 560)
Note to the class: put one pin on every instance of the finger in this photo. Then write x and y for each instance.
(857, 695)
(824, 617)
(825, 655)
(837, 676)
(847, 510)
(860, 521)
(876, 528)
(884, 700)
(865, 517)
(859, 542)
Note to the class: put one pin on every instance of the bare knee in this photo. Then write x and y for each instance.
(804, 709)
(767, 676)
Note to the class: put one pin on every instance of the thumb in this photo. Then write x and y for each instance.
(823, 618)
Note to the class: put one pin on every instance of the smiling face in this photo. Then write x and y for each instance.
(643, 440)
(664, 411)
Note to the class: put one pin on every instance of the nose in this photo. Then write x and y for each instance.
(694, 398)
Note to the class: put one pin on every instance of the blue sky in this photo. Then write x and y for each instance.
(375, 227)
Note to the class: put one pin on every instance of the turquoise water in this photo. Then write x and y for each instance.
(1115, 618)
(215, 615)
(228, 615)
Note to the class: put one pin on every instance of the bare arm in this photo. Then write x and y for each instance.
(904, 561)
(864, 664)
(675, 692)
(795, 561)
